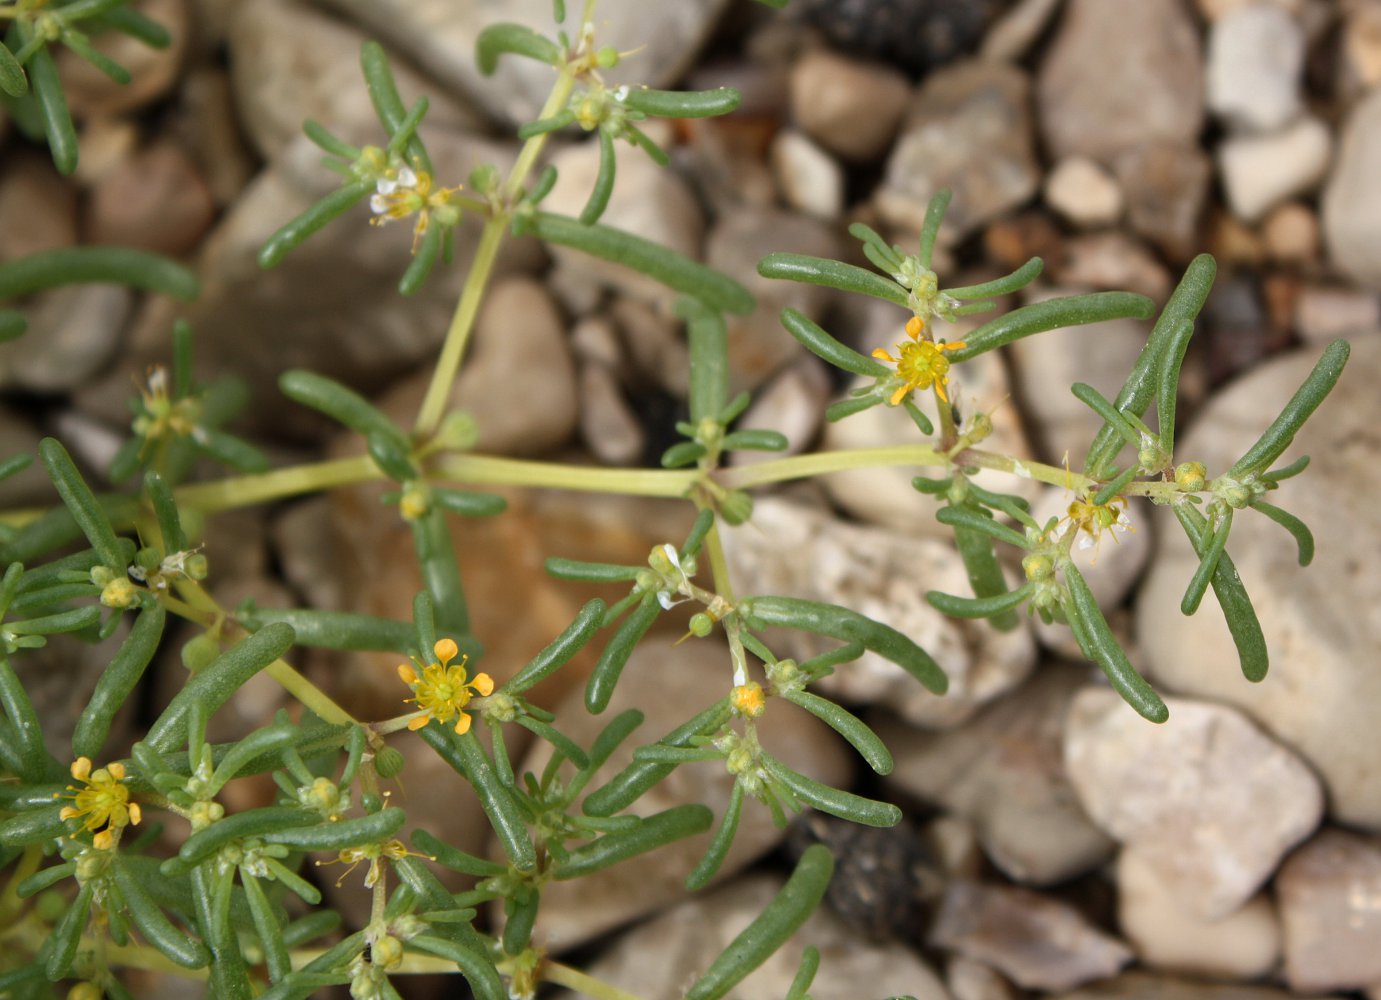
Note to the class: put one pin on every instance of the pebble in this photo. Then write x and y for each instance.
(208, 124)
(1260, 171)
(1166, 186)
(1352, 195)
(656, 346)
(758, 346)
(704, 926)
(1245, 945)
(1153, 986)
(1210, 802)
(670, 683)
(19, 437)
(792, 404)
(797, 551)
(970, 980)
(660, 42)
(1359, 67)
(1291, 234)
(608, 425)
(153, 72)
(1111, 261)
(1017, 30)
(884, 495)
(73, 333)
(1003, 772)
(290, 62)
(107, 144)
(851, 107)
(595, 339)
(1255, 58)
(914, 34)
(520, 407)
(38, 209)
(1046, 365)
(970, 131)
(1095, 99)
(1328, 891)
(1320, 694)
(809, 178)
(649, 201)
(1324, 313)
(1035, 941)
(1083, 193)
(155, 200)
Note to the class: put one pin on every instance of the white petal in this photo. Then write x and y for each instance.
(406, 178)
(378, 205)
(386, 185)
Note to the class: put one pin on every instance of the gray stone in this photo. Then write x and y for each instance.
(1003, 771)
(792, 404)
(1320, 693)
(689, 937)
(608, 425)
(1260, 171)
(970, 980)
(1150, 986)
(1324, 313)
(1209, 801)
(1244, 945)
(758, 346)
(809, 178)
(1083, 193)
(970, 131)
(795, 551)
(1120, 73)
(439, 36)
(1035, 941)
(649, 201)
(1111, 261)
(670, 683)
(73, 333)
(290, 62)
(1166, 186)
(1352, 196)
(1328, 891)
(1255, 58)
(155, 200)
(850, 107)
(1017, 30)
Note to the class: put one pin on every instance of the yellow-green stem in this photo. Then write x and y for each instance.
(587, 986)
(491, 470)
(295, 480)
(719, 566)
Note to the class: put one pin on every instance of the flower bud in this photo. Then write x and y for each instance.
(701, 625)
(1190, 476)
(747, 700)
(389, 762)
(1038, 567)
(119, 593)
(607, 57)
(736, 507)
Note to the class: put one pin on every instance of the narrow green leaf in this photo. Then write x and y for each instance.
(719, 846)
(1284, 472)
(559, 651)
(311, 221)
(521, 912)
(847, 626)
(1052, 314)
(266, 926)
(805, 974)
(682, 453)
(755, 440)
(1168, 385)
(877, 249)
(52, 105)
(465, 755)
(604, 180)
(667, 266)
(709, 359)
(1116, 485)
(137, 26)
(514, 39)
(1142, 383)
(436, 557)
(1208, 564)
(157, 929)
(835, 801)
(869, 746)
(454, 858)
(12, 325)
(1113, 417)
(474, 965)
(771, 929)
(27, 728)
(821, 344)
(62, 944)
(590, 572)
(985, 574)
(600, 688)
(165, 511)
(212, 686)
(468, 503)
(139, 269)
(683, 104)
(842, 408)
(1304, 538)
(334, 629)
(272, 739)
(978, 607)
(649, 834)
(973, 520)
(340, 403)
(1232, 598)
(831, 274)
(72, 620)
(251, 823)
(383, 94)
(340, 834)
(118, 681)
(1276, 438)
(633, 781)
(930, 228)
(423, 259)
(544, 126)
(12, 78)
(77, 42)
(1096, 638)
(1006, 285)
(330, 143)
(81, 502)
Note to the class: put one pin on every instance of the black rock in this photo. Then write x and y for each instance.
(916, 35)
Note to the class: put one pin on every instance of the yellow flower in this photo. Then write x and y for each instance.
(104, 802)
(407, 192)
(921, 363)
(747, 699)
(373, 853)
(1094, 519)
(442, 692)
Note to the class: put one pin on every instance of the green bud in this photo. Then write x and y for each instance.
(196, 566)
(119, 593)
(736, 507)
(607, 57)
(199, 651)
(148, 559)
(389, 762)
(1190, 476)
(458, 430)
(1038, 566)
(701, 625)
(484, 179)
(387, 952)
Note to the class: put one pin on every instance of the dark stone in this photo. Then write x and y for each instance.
(915, 35)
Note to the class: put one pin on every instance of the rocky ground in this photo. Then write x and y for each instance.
(1056, 845)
